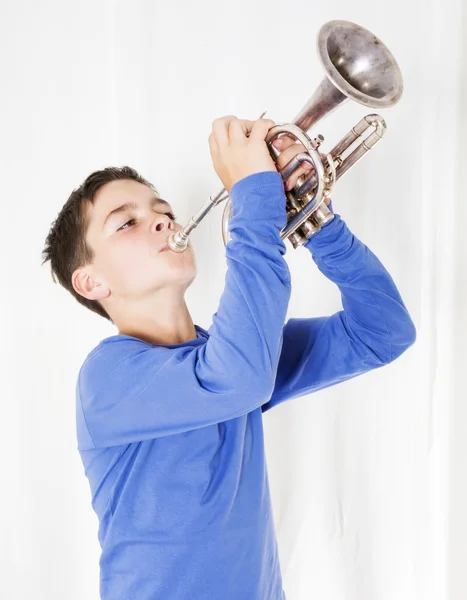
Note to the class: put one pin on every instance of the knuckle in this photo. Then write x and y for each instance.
(219, 120)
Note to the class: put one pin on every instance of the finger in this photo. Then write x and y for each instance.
(239, 129)
(291, 181)
(283, 142)
(286, 155)
(304, 169)
(212, 144)
(220, 130)
(260, 129)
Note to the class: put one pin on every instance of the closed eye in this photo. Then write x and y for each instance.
(170, 215)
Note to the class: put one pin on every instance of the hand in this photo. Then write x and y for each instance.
(234, 155)
(289, 148)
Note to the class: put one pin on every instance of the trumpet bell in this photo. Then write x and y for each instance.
(359, 64)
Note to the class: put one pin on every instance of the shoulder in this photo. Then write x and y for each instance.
(106, 359)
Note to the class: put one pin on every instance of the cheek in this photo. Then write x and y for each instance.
(132, 258)
(132, 265)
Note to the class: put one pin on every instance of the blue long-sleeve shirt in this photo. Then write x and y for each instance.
(171, 436)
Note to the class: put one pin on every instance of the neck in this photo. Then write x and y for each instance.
(163, 321)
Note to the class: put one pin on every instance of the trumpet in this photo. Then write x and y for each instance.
(357, 66)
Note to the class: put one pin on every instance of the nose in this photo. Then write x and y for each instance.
(162, 222)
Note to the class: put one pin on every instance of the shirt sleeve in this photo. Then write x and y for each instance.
(373, 329)
(129, 390)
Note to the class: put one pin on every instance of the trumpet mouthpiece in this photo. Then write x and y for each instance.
(177, 242)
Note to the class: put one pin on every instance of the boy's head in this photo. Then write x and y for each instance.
(109, 258)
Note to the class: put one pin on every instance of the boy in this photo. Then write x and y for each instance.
(169, 415)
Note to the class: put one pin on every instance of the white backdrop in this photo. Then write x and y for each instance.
(368, 478)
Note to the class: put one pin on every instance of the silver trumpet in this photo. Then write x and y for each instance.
(357, 66)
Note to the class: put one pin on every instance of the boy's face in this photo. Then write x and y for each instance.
(127, 245)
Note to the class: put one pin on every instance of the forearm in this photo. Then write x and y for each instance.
(373, 308)
(246, 334)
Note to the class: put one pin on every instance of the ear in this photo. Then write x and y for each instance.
(86, 285)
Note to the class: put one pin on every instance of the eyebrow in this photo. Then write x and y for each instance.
(132, 205)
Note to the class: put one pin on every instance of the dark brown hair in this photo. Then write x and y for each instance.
(66, 246)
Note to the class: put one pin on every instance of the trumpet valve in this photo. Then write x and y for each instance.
(317, 141)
